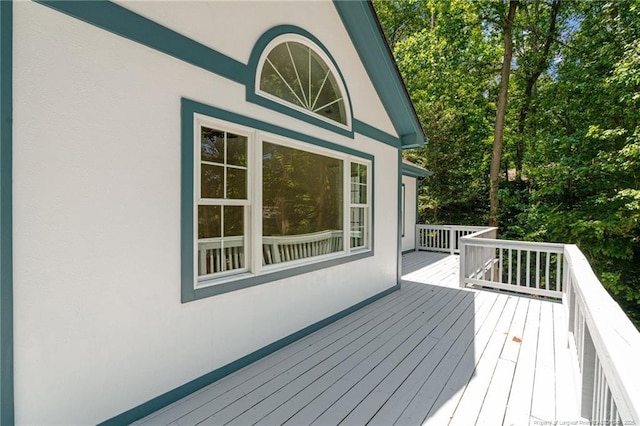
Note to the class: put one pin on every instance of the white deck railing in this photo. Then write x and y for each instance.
(444, 238)
(523, 267)
(605, 342)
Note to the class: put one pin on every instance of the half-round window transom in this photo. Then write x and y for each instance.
(296, 74)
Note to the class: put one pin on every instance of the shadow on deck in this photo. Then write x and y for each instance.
(426, 354)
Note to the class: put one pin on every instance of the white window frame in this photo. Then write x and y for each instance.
(253, 203)
(204, 121)
(328, 62)
(366, 206)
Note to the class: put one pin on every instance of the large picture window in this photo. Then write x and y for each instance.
(302, 204)
(265, 203)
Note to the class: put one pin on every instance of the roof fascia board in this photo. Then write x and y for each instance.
(363, 28)
(415, 171)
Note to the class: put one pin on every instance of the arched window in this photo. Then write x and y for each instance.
(296, 71)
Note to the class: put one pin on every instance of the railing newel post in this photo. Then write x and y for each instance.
(452, 240)
(463, 263)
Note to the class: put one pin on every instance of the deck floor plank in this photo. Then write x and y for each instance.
(359, 321)
(460, 371)
(234, 402)
(345, 405)
(470, 404)
(495, 401)
(347, 373)
(543, 401)
(429, 354)
(566, 402)
(518, 409)
(410, 375)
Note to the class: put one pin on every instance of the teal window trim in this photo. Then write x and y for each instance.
(188, 292)
(6, 218)
(251, 90)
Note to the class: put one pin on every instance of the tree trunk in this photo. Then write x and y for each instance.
(541, 64)
(498, 133)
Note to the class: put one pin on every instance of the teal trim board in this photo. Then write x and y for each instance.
(363, 27)
(6, 219)
(414, 171)
(403, 207)
(180, 392)
(399, 220)
(125, 23)
(253, 97)
(189, 293)
(118, 20)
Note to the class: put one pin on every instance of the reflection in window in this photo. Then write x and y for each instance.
(302, 204)
(296, 74)
(359, 205)
(222, 202)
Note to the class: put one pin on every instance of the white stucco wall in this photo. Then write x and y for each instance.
(409, 238)
(99, 327)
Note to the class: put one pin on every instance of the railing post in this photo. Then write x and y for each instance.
(462, 269)
(417, 239)
(452, 240)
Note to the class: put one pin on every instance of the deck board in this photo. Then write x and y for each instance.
(429, 354)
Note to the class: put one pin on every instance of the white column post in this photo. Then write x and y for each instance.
(452, 240)
(463, 266)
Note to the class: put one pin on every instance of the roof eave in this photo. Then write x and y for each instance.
(365, 31)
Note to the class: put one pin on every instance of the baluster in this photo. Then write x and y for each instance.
(510, 265)
(500, 266)
(528, 268)
(537, 268)
(558, 272)
(546, 276)
(518, 266)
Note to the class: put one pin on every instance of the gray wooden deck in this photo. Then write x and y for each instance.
(428, 354)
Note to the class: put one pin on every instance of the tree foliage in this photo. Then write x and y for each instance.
(571, 157)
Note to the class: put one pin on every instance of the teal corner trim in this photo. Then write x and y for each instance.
(188, 293)
(399, 220)
(415, 171)
(403, 207)
(7, 414)
(362, 24)
(253, 97)
(118, 20)
(180, 392)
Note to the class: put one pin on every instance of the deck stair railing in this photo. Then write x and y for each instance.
(605, 344)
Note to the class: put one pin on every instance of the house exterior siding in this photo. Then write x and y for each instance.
(98, 326)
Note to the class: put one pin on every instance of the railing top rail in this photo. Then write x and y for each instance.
(458, 227)
(510, 244)
(482, 230)
(616, 339)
